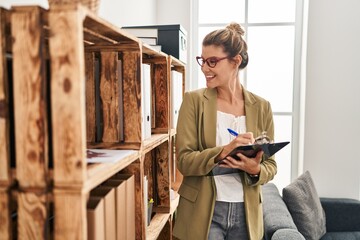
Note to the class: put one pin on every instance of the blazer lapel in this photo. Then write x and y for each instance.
(251, 113)
(209, 117)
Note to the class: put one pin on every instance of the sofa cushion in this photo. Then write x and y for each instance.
(288, 234)
(276, 214)
(304, 205)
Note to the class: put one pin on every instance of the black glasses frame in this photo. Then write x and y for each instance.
(211, 61)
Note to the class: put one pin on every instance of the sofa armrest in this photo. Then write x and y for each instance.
(276, 215)
(342, 214)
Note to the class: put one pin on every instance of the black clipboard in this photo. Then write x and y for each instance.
(251, 150)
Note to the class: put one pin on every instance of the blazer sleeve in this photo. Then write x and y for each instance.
(192, 159)
(268, 166)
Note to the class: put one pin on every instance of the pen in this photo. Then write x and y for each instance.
(232, 132)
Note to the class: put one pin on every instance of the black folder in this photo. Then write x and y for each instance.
(251, 150)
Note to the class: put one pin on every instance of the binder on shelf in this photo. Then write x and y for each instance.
(95, 218)
(108, 194)
(146, 101)
(176, 96)
(129, 181)
(120, 206)
(146, 213)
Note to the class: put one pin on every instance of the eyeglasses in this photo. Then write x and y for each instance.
(211, 61)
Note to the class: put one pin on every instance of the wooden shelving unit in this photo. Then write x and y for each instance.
(48, 119)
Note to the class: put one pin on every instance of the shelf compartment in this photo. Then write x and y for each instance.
(159, 221)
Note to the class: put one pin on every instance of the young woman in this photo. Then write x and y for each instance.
(222, 200)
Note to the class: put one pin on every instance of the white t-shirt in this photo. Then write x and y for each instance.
(228, 182)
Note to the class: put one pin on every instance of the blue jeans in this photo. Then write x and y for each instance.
(228, 222)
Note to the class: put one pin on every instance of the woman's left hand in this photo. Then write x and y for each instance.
(249, 165)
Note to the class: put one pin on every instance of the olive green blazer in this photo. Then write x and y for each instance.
(196, 151)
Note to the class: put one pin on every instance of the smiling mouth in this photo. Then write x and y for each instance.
(209, 77)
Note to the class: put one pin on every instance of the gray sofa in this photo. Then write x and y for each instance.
(342, 217)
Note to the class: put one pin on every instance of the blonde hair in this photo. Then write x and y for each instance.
(231, 39)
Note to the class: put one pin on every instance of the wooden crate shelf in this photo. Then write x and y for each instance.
(59, 59)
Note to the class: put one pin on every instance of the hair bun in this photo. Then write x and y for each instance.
(236, 27)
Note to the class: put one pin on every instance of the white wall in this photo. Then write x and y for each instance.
(119, 13)
(178, 12)
(128, 13)
(332, 110)
(9, 3)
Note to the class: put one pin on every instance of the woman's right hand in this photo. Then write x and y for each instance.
(241, 140)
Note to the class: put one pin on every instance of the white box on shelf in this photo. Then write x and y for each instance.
(140, 32)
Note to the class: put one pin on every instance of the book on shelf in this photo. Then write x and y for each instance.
(120, 206)
(106, 155)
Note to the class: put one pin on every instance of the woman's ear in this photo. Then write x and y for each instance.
(237, 59)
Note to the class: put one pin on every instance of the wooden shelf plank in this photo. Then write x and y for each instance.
(152, 53)
(99, 172)
(30, 97)
(154, 141)
(156, 225)
(176, 62)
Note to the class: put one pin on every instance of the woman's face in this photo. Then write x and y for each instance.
(224, 71)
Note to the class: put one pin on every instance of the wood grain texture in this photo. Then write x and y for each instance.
(32, 215)
(68, 97)
(109, 93)
(163, 176)
(31, 128)
(90, 96)
(148, 171)
(161, 91)
(70, 215)
(5, 219)
(4, 106)
(157, 224)
(132, 96)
